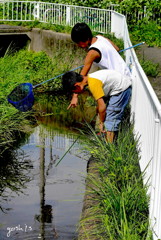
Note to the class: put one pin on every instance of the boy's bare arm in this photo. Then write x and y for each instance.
(101, 108)
(90, 57)
(74, 101)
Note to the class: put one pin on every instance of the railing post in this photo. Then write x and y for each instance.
(118, 24)
(36, 11)
(155, 192)
(68, 15)
(145, 12)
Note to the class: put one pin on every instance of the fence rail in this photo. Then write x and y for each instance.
(145, 106)
(67, 14)
(146, 112)
(98, 19)
(136, 15)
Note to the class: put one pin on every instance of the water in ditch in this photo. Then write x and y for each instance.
(42, 195)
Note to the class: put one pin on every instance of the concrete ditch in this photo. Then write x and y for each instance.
(48, 41)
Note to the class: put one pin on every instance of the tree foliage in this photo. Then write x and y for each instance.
(127, 5)
(132, 9)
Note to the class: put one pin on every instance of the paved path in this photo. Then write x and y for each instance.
(152, 54)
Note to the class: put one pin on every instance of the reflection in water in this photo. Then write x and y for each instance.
(52, 111)
(14, 169)
(42, 188)
(47, 194)
(52, 203)
(45, 209)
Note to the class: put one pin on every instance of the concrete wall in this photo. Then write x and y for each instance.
(38, 39)
(49, 41)
(43, 40)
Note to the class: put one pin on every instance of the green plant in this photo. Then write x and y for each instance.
(19, 67)
(147, 31)
(34, 67)
(117, 202)
(151, 69)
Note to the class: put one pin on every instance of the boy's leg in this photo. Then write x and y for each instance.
(110, 136)
(115, 111)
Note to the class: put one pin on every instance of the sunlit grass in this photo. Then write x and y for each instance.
(116, 201)
(34, 67)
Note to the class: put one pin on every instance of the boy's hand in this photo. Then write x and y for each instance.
(74, 101)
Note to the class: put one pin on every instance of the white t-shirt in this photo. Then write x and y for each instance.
(107, 83)
(110, 58)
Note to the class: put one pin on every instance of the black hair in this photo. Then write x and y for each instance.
(69, 79)
(81, 33)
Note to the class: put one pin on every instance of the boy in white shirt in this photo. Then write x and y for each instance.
(103, 83)
(101, 51)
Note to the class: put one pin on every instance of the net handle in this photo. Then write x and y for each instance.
(83, 65)
(138, 44)
(57, 76)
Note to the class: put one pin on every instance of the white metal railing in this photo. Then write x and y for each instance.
(98, 19)
(57, 13)
(146, 113)
(145, 106)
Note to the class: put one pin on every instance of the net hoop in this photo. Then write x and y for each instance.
(26, 102)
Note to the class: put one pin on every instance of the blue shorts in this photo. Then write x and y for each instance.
(115, 109)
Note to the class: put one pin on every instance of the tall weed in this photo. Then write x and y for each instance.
(21, 67)
(151, 69)
(147, 31)
(119, 208)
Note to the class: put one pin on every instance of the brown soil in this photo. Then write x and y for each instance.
(152, 54)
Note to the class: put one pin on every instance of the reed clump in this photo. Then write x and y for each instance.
(33, 67)
(116, 201)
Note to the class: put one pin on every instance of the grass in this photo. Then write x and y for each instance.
(151, 69)
(116, 202)
(147, 31)
(119, 208)
(24, 66)
(15, 69)
(34, 68)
